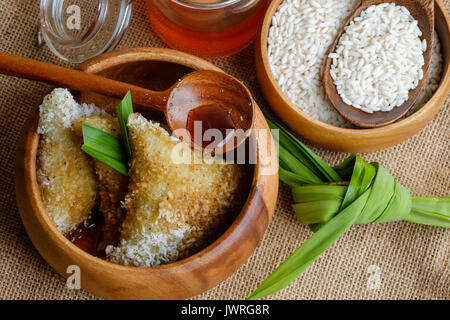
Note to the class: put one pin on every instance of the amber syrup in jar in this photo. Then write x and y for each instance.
(208, 29)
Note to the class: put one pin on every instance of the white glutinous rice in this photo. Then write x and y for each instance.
(434, 76)
(301, 33)
(379, 58)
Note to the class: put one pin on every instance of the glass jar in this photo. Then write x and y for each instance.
(76, 30)
(207, 28)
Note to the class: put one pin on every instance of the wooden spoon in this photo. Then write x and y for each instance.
(217, 100)
(423, 12)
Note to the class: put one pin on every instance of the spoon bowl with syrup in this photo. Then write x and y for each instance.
(211, 109)
(216, 109)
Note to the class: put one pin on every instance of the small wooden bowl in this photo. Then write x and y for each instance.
(155, 69)
(343, 139)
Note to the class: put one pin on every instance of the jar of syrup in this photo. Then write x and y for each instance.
(206, 28)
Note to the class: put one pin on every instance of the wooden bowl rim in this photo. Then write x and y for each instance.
(105, 61)
(386, 131)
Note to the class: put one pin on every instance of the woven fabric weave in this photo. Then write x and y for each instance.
(411, 261)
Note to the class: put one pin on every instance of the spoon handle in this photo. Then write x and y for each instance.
(74, 79)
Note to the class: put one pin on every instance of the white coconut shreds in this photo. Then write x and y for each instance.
(379, 58)
(299, 38)
(59, 110)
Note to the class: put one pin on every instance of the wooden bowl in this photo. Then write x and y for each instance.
(155, 69)
(343, 139)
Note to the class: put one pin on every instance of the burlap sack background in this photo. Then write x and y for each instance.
(411, 260)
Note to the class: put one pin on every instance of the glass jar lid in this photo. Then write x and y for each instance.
(76, 30)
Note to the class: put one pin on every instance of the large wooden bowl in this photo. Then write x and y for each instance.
(350, 140)
(155, 69)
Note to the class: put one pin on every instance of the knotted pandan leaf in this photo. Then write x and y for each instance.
(331, 200)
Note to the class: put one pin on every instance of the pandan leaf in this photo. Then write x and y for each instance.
(113, 163)
(123, 110)
(330, 206)
(103, 142)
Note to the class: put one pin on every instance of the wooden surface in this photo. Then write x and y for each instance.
(178, 280)
(423, 12)
(343, 139)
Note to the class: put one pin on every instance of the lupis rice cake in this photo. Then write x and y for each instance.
(173, 209)
(66, 180)
(112, 185)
